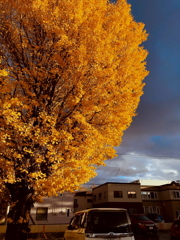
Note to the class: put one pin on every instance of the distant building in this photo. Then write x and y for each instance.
(53, 210)
(137, 197)
(162, 199)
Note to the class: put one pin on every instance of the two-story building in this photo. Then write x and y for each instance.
(120, 195)
(163, 200)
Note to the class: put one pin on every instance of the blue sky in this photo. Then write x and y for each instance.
(151, 146)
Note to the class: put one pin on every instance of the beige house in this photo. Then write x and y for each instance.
(121, 195)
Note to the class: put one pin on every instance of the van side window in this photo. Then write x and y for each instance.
(76, 222)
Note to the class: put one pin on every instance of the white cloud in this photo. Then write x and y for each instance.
(172, 171)
(130, 167)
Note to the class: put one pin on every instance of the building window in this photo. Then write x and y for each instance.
(76, 203)
(131, 194)
(100, 196)
(133, 210)
(118, 194)
(68, 212)
(151, 209)
(153, 195)
(94, 197)
(41, 213)
(89, 200)
(178, 214)
(156, 209)
(176, 194)
(149, 195)
(105, 195)
(144, 195)
(146, 209)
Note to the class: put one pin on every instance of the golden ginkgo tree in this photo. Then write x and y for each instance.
(71, 79)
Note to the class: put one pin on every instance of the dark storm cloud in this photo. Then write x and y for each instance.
(156, 129)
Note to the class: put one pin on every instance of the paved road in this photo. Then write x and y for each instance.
(162, 235)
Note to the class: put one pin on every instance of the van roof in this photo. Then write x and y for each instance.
(103, 209)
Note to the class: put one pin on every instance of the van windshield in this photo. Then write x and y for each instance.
(108, 221)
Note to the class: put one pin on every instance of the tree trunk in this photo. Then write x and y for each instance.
(18, 216)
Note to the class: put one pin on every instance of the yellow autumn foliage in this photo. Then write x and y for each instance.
(71, 79)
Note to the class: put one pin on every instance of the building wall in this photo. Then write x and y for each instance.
(168, 200)
(82, 200)
(125, 188)
(59, 210)
(163, 200)
(105, 193)
(100, 194)
(118, 195)
(172, 203)
(151, 197)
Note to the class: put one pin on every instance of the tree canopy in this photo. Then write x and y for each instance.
(71, 79)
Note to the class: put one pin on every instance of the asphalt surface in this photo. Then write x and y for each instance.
(162, 235)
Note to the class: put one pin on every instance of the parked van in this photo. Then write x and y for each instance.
(100, 223)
